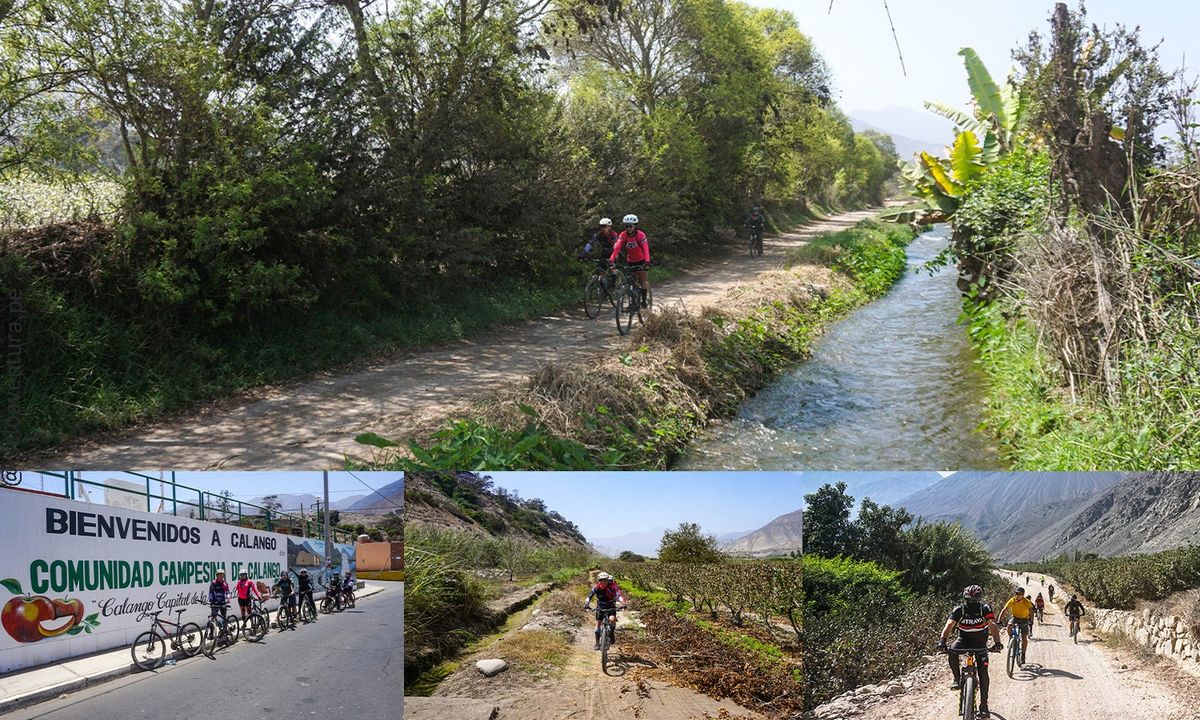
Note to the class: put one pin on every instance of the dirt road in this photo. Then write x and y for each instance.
(311, 424)
(578, 690)
(1061, 679)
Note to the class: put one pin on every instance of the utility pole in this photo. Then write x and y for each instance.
(328, 544)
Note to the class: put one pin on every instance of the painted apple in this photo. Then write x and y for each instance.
(72, 608)
(22, 617)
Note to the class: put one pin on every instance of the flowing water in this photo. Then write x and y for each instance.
(893, 386)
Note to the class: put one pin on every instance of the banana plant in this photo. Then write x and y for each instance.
(981, 138)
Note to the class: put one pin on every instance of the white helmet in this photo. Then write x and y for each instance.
(605, 222)
(604, 576)
(630, 219)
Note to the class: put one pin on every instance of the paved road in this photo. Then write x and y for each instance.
(312, 423)
(347, 665)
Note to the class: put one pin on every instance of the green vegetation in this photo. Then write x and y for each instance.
(1120, 582)
(687, 544)
(475, 498)
(640, 408)
(878, 589)
(302, 186)
(1078, 253)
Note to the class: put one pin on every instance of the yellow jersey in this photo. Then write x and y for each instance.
(1021, 608)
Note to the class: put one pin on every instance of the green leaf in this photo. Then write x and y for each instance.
(627, 359)
(991, 149)
(1117, 133)
(960, 119)
(965, 157)
(943, 180)
(370, 438)
(75, 630)
(984, 89)
(527, 409)
(12, 585)
(92, 618)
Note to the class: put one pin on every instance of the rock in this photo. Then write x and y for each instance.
(491, 667)
(894, 689)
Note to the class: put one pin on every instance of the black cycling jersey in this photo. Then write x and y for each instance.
(972, 619)
(1074, 609)
(305, 583)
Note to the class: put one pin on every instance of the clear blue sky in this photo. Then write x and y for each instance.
(857, 43)
(611, 504)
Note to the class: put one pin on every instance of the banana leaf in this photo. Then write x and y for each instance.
(965, 160)
(960, 119)
(983, 88)
(941, 178)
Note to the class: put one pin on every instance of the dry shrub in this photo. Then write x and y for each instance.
(698, 660)
(534, 650)
(565, 603)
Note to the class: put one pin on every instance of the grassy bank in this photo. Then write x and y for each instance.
(1151, 422)
(637, 408)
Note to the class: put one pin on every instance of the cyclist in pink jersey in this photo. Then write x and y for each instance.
(245, 587)
(637, 253)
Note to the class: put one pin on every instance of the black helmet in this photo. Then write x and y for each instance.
(1073, 597)
(973, 592)
(1019, 591)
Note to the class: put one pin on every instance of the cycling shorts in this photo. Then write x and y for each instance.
(244, 603)
(601, 612)
(981, 653)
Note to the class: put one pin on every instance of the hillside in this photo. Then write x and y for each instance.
(470, 502)
(781, 536)
(384, 500)
(1145, 512)
(1010, 512)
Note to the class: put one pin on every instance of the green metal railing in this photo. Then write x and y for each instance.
(210, 506)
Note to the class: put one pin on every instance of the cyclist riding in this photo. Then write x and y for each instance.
(1021, 610)
(218, 595)
(602, 240)
(755, 222)
(608, 598)
(637, 253)
(245, 586)
(974, 620)
(1050, 591)
(1074, 610)
(1040, 604)
(306, 593)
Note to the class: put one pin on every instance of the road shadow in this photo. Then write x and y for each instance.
(1053, 672)
(998, 716)
(622, 664)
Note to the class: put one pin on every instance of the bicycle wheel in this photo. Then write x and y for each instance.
(626, 309)
(604, 649)
(350, 600)
(327, 604)
(255, 627)
(208, 639)
(308, 611)
(190, 637)
(339, 603)
(1013, 648)
(968, 697)
(233, 630)
(149, 650)
(593, 296)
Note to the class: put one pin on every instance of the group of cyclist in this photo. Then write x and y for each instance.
(975, 622)
(290, 593)
(632, 241)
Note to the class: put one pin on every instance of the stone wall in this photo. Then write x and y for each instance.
(1167, 635)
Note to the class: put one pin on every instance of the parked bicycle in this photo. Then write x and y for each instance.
(629, 300)
(968, 686)
(149, 649)
(257, 623)
(285, 616)
(219, 631)
(602, 286)
(332, 602)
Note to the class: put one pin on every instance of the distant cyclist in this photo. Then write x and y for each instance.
(1040, 604)
(1074, 610)
(637, 253)
(1021, 610)
(1050, 592)
(974, 620)
(755, 222)
(609, 599)
(602, 240)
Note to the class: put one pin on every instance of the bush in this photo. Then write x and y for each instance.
(1121, 581)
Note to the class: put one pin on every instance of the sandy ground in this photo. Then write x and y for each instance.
(1062, 679)
(311, 424)
(580, 690)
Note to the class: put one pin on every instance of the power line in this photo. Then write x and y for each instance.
(373, 490)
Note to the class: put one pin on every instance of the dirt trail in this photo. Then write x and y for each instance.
(1061, 680)
(312, 423)
(580, 691)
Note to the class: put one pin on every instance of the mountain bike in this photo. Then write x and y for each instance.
(150, 648)
(332, 602)
(756, 241)
(219, 630)
(1015, 656)
(968, 684)
(308, 608)
(348, 597)
(257, 623)
(608, 636)
(1040, 614)
(1074, 620)
(285, 617)
(602, 285)
(629, 300)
